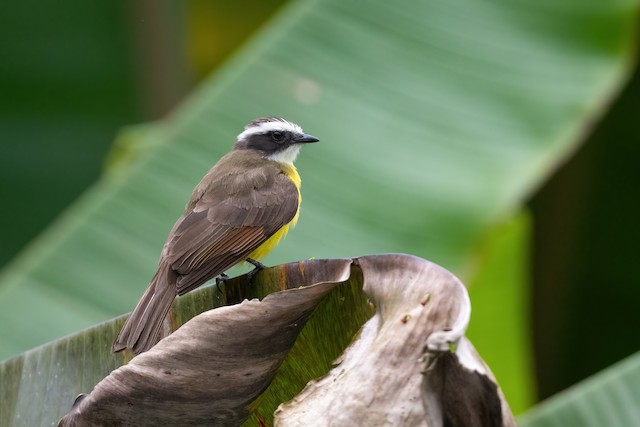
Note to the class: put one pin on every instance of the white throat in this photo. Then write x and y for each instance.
(287, 155)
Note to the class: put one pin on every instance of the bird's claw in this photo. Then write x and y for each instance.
(258, 266)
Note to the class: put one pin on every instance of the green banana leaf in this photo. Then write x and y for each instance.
(609, 398)
(436, 120)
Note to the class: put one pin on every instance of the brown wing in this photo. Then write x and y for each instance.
(227, 223)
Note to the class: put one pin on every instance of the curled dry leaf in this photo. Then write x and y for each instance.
(400, 371)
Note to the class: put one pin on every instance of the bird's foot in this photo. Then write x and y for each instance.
(221, 279)
(258, 266)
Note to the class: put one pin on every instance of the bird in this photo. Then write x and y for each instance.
(239, 211)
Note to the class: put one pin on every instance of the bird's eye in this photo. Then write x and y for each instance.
(277, 136)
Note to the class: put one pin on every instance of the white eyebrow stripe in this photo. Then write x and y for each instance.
(268, 127)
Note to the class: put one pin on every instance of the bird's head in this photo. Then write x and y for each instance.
(274, 137)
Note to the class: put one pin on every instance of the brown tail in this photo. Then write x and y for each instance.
(140, 331)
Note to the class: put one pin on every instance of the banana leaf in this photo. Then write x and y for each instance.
(609, 397)
(410, 364)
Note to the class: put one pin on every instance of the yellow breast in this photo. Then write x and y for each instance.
(262, 250)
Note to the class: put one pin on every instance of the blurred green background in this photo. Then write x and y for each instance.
(499, 139)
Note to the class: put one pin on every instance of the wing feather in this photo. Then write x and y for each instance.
(227, 224)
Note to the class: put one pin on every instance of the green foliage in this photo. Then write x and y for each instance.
(67, 86)
(609, 398)
(584, 245)
(502, 262)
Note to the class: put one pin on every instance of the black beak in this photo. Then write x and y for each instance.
(305, 138)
